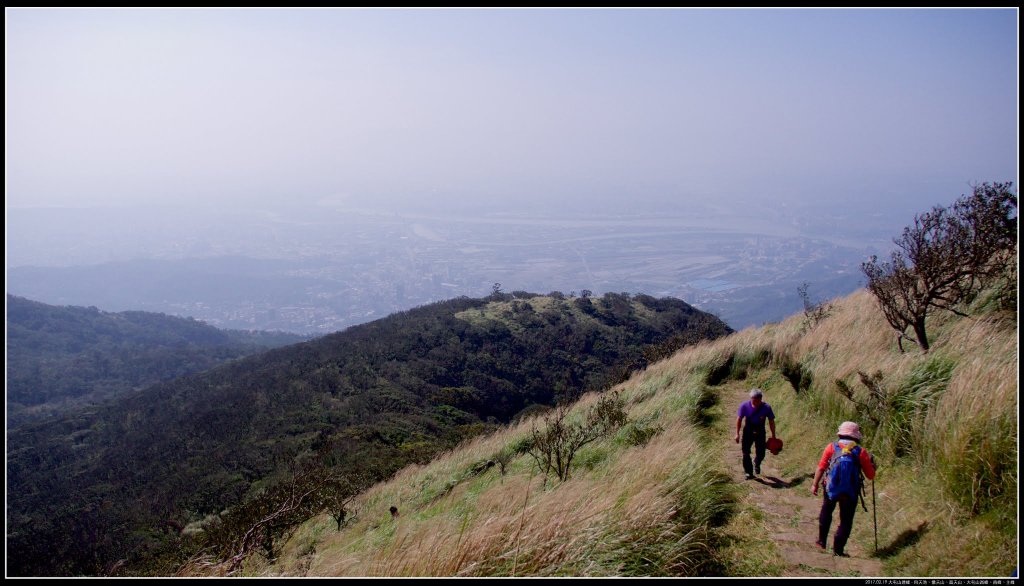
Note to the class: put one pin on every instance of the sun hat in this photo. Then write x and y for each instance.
(850, 429)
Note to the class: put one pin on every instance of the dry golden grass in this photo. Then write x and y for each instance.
(523, 524)
(619, 513)
(516, 526)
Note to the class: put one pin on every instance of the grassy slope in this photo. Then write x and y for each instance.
(946, 486)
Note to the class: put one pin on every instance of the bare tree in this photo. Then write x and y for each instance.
(814, 312)
(555, 446)
(921, 275)
(988, 220)
(945, 258)
(270, 519)
(338, 491)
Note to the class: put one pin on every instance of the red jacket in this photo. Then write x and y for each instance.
(865, 460)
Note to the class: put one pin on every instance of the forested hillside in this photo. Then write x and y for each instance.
(61, 357)
(121, 487)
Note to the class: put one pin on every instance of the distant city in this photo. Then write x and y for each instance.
(320, 270)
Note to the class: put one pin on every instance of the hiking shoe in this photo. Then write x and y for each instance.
(840, 554)
(819, 545)
(757, 469)
(750, 476)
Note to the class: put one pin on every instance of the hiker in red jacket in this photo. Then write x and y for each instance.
(844, 461)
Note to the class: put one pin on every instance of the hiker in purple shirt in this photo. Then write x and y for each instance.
(756, 412)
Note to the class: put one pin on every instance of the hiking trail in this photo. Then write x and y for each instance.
(789, 509)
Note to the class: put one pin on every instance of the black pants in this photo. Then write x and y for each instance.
(847, 507)
(752, 437)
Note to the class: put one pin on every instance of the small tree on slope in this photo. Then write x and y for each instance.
(945, 258)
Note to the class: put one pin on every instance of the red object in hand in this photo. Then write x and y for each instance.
(774, 446)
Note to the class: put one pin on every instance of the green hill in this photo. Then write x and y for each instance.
(64, 357)
(109, 488)
(661, 494)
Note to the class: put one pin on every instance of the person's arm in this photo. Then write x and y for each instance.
(822, 464)
(739, 422)
(867, 464)
(771, 418)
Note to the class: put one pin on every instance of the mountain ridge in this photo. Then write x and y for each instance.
(389, 392)
(60, 357)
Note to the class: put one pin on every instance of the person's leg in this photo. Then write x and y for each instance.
(748, 440)
(847, 507)
(759, 444)
(825, 520)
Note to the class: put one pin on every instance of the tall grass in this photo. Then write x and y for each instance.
(973, 428)
(954, 408)
(640, 508)
(647, 500)
(902, 432)
(947, 435)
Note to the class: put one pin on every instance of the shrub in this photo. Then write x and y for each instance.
(718, 374)
(814, 311)
(556, 445)
(799, 378)
(638, 433)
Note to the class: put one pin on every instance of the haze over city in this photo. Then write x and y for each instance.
(310, 169)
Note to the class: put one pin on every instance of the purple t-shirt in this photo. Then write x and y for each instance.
(755, 417)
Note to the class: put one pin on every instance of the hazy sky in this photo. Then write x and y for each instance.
(255, 106)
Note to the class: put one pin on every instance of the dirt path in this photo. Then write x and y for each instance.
(789, 509)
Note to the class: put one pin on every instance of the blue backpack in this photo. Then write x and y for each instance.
(843, 472)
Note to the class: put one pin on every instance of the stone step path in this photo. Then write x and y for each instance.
(790, 511)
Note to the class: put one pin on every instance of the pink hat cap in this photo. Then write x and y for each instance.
(850, 429)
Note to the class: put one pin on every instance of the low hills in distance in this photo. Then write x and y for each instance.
(62, 357)
(120, 487)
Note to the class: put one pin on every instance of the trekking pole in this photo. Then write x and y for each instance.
(874, 513)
